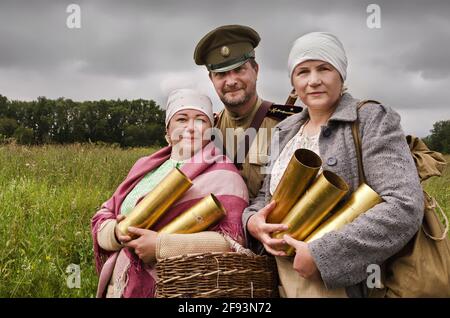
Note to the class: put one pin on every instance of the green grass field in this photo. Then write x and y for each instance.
(47, 197)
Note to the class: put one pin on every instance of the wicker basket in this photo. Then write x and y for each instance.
(212, 275)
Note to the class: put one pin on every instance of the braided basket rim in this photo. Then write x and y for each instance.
(185, 283)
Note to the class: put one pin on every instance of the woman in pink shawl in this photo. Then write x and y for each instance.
(126, 266)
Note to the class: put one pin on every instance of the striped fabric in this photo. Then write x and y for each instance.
(147, 184)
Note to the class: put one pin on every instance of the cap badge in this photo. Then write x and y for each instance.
(225, 51)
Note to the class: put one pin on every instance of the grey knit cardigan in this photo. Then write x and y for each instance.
(343, 256)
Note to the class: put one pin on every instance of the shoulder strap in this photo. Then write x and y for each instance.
(281, 112)
(256, 123)
(292, 98)
(357, 139)
(434, 225)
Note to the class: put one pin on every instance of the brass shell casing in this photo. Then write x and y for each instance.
(299, 174)
(200, 217)
(319, 199)
(363, 199)
(147, 212)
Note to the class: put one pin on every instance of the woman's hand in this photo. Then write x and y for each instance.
(304, 263)
(261, 230)
(119, 235)
(144, 245)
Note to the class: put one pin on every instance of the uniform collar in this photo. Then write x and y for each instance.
(241, 120)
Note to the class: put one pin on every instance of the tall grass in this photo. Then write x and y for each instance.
(48, 195)
(439, 188)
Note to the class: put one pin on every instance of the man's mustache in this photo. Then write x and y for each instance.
(232, 89)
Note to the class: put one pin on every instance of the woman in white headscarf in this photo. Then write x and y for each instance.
(336, 265)
(127, 266)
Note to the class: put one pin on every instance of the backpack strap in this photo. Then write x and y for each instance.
(357, 139)
(292, 98)
(434, 205)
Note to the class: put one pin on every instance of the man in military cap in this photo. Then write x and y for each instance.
(229, 56)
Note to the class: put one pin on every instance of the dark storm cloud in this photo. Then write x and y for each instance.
(134, 49)
(131, 38)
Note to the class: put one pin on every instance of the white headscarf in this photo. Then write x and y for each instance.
(186, 98)
(320, 46)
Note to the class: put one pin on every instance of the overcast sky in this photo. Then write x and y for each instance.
(144, 49)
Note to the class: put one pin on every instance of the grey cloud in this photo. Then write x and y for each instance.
(430, 57)
(141, 49)
(136, 37)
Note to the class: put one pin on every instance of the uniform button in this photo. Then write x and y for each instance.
(332, 161)
(327, 132)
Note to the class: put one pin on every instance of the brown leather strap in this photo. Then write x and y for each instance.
(357, 140)
(256, 123)
(292, 98)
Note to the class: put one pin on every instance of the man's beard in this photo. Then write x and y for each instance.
(235, 102)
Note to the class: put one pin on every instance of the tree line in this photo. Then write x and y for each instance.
(129, 123)
(439, 139)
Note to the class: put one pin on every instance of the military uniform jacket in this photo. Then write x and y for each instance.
(254, 166)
